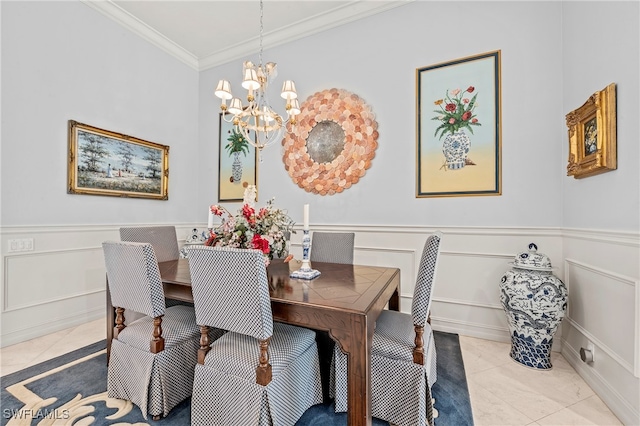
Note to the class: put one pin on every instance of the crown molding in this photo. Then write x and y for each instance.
(127, 20)
(352, 11)
(341, 15)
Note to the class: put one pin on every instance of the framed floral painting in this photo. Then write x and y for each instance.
(459, 127)
(592, 135)
(237, 166)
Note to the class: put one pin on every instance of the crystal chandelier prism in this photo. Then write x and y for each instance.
(258, 117)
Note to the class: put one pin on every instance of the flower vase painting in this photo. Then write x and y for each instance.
(237, 163)
(266, 229)
(459, 138)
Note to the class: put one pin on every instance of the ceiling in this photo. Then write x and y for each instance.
(205, 34)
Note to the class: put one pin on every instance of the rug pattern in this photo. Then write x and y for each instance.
(71, 390)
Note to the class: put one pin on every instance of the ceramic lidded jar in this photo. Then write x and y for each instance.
(535, 301)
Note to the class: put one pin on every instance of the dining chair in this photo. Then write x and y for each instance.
(162, 238)
(164, 241)
(403, 355)
(333, 247)
(152, 358)
(260, 372)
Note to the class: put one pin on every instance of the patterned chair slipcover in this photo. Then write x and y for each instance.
(333, 247)
(155, 382)
(162, 238)
(230, 291)
(164, 241)
(400, 386)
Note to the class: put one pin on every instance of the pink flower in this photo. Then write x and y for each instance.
(216, 209)
(466, 116)
(452, 120)
(475, 120)
(249, 213)
(465, 100)
(455, 92)
(450, 107)
(471, 89)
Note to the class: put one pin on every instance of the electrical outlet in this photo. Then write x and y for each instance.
(20, 244)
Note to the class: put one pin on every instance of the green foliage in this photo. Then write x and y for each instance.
(237, 143)
(456, 112)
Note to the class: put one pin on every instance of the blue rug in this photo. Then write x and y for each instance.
(73, 387)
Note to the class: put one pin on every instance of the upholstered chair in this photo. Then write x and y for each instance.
(162, 238)
(260, 372)
(152, 358)
(164, 241)
(333, 247)
(403, 355)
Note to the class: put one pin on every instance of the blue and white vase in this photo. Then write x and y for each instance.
(236, 168)
(456, 148)
(535, 302)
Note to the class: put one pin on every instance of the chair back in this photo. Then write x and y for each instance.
(333, 247)
(230, 290)
(162, 238)
(134, 277)
(424, 283)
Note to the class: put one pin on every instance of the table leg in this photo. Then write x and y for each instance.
(394, 301)
(357, 345)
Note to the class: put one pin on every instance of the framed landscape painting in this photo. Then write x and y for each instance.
(459, 127)
(102, 162)
(237, 167)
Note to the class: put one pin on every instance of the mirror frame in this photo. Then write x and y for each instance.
(361, 140)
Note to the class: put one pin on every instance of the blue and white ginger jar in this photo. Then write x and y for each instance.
(535, 302)
(455, 149)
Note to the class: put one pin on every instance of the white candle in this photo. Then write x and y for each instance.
(210, 220)
(306, 217)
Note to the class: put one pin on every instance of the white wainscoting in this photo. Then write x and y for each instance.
(61, 284)
(601, 271)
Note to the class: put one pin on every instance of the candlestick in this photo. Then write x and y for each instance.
(306, 217)
(305, 272)
(210, 220)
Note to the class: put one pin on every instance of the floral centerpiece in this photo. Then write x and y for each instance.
(265, 230)
(456, 112)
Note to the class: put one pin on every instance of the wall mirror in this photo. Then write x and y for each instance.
(333, 144)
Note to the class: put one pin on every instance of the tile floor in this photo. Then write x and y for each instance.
(502, 392)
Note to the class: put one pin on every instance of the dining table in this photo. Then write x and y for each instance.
(344, 302)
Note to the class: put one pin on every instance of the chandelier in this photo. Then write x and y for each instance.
(258, 116)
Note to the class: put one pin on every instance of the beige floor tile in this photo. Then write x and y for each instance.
(489, 410)
(18, 356)
(591, 411)
(79, 337)
(480, 355)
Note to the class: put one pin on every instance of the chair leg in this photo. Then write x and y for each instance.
(156, 417)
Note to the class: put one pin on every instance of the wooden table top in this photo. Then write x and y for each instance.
(346, 287)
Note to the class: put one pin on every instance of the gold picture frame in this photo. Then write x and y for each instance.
(102, 162)
(592, 135)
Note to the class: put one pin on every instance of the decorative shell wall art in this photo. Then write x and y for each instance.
(333, 143)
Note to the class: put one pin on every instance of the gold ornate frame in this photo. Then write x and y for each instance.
(102, 162)
(592, 135)
(361, 133)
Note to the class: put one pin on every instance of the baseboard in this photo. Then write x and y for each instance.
(609, 395)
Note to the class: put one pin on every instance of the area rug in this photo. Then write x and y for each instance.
(71, 390)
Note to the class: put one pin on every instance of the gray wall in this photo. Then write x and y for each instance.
(600, 46)
(376, 58)
(64, 61)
